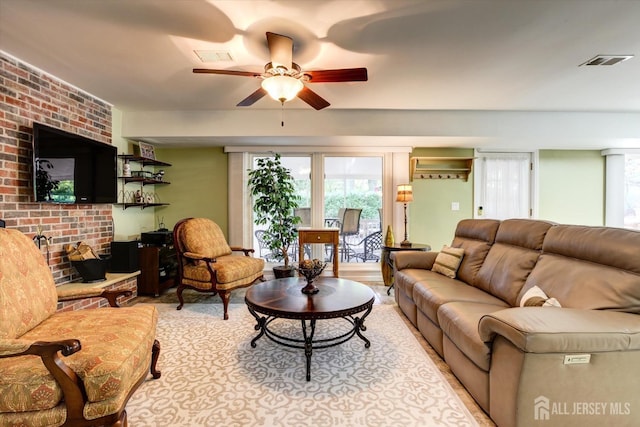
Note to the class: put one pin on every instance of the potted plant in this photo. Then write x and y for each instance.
(275, 198)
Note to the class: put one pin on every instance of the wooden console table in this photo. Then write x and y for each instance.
(320, 235)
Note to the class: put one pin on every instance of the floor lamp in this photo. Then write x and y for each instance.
(404, 196)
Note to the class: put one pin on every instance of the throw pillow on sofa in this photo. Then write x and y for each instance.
(535, 297)
(448, 261)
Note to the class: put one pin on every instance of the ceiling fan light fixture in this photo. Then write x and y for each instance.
(282, 88)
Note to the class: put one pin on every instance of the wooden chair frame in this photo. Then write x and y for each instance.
(225, 295)
(73, 391)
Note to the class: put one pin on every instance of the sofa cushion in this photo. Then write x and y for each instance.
(406, 279)
(459, 322)
(23, 307)
(448, 261)
(589, 268)
(511, 258)
(204, 237)
(476, 237)
(230, 270)
(110, 361)
(435, 290)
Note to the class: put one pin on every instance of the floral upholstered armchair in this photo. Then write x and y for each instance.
(71, 368)
(206, 262)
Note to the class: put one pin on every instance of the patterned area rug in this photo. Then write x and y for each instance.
(212, 377)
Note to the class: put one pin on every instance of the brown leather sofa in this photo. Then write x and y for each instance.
(577, 364)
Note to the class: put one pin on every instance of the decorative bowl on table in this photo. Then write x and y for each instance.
(310, 269)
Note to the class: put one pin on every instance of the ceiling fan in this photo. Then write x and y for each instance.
(283, 79)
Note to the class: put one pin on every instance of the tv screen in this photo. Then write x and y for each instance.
(70, 168)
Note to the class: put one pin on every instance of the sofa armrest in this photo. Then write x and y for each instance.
(83, 293)
(247, 252)
(197, 257)
(413, 259)
(563, 330)
(44, 349)
(70, 382)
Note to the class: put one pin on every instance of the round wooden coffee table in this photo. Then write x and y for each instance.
(282, 299)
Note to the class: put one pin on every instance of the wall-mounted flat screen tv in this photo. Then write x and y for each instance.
(70, 168)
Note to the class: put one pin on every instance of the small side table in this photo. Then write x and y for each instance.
(387, 263)
(320, 235)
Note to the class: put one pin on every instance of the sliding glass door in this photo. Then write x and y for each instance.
(353, 203)
(328, 186)
(300, 168)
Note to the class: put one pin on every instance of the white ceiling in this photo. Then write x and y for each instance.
(457, 58)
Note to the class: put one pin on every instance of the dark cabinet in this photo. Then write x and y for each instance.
(158, 269)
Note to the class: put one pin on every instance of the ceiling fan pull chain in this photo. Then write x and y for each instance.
(282, 114)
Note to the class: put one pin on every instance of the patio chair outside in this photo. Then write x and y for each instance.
(349, 226)
(368, 249)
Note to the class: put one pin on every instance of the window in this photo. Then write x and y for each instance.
(300, 168)
(354, 182)
(349, 182)
(394, 170)
(503, 185)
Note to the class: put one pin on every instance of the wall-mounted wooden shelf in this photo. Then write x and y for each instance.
(441, 168)
(143, 181)
(141, 178)
(140, 205)
(143, 160)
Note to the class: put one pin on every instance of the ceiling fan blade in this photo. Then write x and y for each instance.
(251, 99)
(228, 72)
(281, 48)
(342, 75)
(312, 98)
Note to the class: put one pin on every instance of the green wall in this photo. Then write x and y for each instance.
(572, 186)
(127, 223)
(571, 190)
(431, 219)
(198, 188)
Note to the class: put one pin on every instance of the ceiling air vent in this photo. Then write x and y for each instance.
(213, 55)
(607, 60)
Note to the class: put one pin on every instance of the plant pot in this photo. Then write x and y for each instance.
(281, 272)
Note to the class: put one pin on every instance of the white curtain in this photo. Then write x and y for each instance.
(505, 185)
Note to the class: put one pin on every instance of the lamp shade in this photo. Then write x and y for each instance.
(405, 193)
(282, 88)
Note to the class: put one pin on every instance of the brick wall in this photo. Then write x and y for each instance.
(27, 96)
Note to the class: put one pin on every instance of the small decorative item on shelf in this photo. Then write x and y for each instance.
(310, 269)
(126, 168)
(147, 151)
(159, 175)
(143, 174)
(138, 197)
